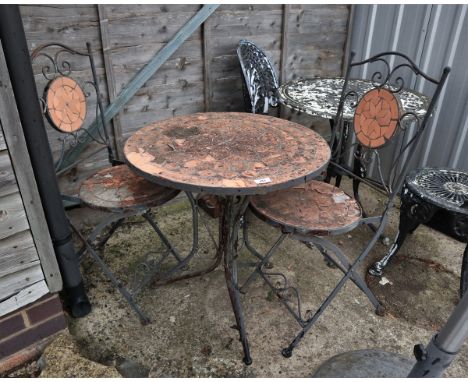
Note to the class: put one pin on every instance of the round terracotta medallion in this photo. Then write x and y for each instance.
(376, 118)
(66, 104)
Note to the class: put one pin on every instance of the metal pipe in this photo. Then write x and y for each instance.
(444, 346)
(19, 66)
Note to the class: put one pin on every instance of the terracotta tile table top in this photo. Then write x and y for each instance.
(227, 153)
(320, 97)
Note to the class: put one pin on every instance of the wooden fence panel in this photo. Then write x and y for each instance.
(203, 74)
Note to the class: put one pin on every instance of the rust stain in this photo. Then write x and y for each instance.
(313, 208)
(227, 150)
(118, 187)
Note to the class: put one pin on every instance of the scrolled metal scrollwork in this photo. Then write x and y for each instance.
(285, 292)
(63, 66)
(377, 76)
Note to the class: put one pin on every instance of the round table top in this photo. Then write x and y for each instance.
(444, 187)
(227, 153)
(320, 97)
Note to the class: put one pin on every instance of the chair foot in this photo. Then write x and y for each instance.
(380, 310)
(145, 321)
(375, 270)
(286, 352)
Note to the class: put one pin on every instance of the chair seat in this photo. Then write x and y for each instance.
(315, 208)
(118, 188)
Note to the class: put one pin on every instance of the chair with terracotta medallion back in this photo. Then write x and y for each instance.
(315, 210)
(67, 96)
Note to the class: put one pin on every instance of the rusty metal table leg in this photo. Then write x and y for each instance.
(233, 210)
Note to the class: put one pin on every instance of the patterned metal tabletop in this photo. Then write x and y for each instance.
(444, 187)
(320, 97)
(227, 153)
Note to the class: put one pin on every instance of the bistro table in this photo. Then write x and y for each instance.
(320, 97)
(232, 155)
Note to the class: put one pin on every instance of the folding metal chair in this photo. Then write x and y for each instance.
(66, 99)
(311, 212)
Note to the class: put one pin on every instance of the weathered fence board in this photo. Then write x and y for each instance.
(16, 206)
(15, 282)
(12, 215)
(23, 297)
(203, 73)
(7, 175)
(17, 252)
(2, 141)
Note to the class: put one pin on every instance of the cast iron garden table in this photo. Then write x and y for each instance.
(232, 155)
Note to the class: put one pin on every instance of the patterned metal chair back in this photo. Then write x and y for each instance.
(260, 84)
(70, 99)
(379, 117)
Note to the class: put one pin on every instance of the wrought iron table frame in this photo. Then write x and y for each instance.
(234, 203)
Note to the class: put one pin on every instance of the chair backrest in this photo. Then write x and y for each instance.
(68, 97)
(260, 84)
(379, 118)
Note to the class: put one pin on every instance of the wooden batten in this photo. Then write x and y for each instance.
(116, 132)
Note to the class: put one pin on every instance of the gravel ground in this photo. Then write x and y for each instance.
(191, 333)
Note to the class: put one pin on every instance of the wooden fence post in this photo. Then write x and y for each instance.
(207, 64)
(110, 79)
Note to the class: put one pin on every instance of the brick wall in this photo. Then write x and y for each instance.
(28, 327)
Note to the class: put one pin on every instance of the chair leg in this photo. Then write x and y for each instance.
(344, 265)
(409, 221)
(464, 273)
(165, 278)
(245, 234)
(115, 282)
(253, 276)
(115, 221)
(163, 238)
(287, 351)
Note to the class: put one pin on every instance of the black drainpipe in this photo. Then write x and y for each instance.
(22, 78)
